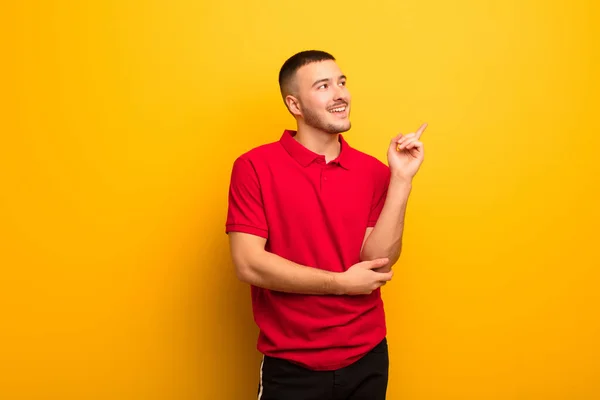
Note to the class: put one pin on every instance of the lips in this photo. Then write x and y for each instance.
(338, 109)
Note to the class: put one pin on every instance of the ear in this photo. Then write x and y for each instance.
(293, 105)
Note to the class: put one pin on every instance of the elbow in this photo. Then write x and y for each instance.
(368, 253)
(241, 274)
(243, 271)
(392, 254)
(247, 255)
(394, 257)
(244, 268)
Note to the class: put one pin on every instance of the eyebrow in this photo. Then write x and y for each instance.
(327, 80)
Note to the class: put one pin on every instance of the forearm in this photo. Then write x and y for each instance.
(270, 271)
(386, 238)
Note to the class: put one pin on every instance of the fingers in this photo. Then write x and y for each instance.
(402, 138)
(396, 139)
(377, 263)
(418, 145)
(421, 130)
(386, 276)
(410, 143)
(415, 144)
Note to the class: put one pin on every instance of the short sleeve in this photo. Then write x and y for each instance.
(381, 178)
(245, 210)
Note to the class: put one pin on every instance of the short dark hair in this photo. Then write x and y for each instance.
(292, 64)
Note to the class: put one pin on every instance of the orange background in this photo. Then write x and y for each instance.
(120, 121)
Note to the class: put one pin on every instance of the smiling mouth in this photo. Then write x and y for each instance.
(337, 109)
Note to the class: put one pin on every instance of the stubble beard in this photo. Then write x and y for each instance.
(313, 119)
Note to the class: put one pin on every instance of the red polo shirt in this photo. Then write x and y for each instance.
(313, 214)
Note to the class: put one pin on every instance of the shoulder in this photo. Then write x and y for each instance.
(261, 153)
(256, 162)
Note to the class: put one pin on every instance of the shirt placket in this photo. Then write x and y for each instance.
(326, 175)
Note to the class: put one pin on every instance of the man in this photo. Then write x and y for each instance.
(315, 227)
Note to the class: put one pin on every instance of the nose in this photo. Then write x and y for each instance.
(340, 93)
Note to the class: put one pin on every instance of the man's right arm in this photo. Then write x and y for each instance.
(258, 267)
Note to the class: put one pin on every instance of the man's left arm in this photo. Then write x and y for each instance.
(405, 156)
(386, 236)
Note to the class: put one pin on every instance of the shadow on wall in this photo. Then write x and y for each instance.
(224, 332)
(221, 330)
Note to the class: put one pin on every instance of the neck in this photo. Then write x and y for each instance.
(318, 141)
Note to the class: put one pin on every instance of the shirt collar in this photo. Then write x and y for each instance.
(305, 156)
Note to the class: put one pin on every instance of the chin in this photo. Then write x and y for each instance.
(339, 127)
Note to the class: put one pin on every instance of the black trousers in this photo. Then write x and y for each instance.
(366, 379)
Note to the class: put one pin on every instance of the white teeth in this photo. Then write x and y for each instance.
(340, 109)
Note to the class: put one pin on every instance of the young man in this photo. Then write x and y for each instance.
(315, 227)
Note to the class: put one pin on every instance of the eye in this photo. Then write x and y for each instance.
(343, 83)
(323, 86)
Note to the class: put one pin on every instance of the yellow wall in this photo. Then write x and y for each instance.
(120, 121)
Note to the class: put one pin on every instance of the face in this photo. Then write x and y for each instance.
(322, 99)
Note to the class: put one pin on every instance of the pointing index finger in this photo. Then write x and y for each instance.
(421, 130)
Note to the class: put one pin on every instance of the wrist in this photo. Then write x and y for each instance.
(337, 284)
(400, 181)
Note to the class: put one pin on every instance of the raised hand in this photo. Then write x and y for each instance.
(406, 154)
